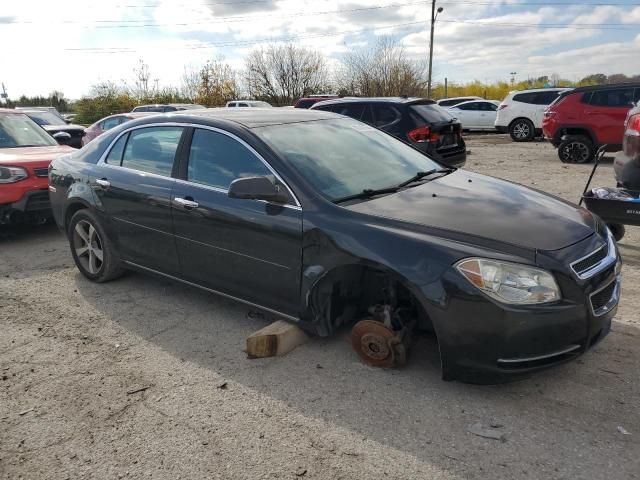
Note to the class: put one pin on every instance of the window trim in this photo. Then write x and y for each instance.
(173, 176)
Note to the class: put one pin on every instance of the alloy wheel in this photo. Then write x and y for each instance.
(88, 247)
(521, 130)
(575, 152)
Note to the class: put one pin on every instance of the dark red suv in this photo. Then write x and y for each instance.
(583, 119)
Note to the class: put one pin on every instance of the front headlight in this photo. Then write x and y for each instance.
(510, 282)
(12, 174)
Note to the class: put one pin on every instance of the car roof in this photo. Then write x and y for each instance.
(475, 100)
(250, 118)
(404, 100)
(463, 96)
(534, 90)
(607, 86)
(11, 111)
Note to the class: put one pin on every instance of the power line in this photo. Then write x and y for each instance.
(241, 43)
(527, 4)
(235, 18)
(576, 26)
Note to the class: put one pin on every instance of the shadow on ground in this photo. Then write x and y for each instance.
(575, 408)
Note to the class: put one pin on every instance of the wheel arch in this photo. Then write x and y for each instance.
(73, 206)
(340, 293)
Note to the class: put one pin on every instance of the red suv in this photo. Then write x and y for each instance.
(25, 153)
(583, 119)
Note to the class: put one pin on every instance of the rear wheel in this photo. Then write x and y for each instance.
(93, 253)
(521, 130)
(578, 149)
(617, 230)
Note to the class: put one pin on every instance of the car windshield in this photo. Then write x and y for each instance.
(21, 131)
(431, 112)
(343, 157)
(46, 118)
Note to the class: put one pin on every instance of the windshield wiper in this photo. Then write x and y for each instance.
(420, 175)
(367, 193)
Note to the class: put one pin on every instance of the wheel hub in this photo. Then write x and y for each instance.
(372, 342)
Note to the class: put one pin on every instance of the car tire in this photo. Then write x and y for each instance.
(577, 149)
(617, 230)
(92, 251)
(522, 130)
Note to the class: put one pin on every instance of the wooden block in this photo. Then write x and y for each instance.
(276, 339)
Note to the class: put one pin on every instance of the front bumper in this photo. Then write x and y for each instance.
(34, 204)
(484, 341)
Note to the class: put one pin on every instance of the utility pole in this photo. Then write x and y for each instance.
(434, 15)
(4, 95)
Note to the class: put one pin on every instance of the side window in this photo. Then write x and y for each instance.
(110, 123)
(367, 117)
(546, 98)
(619, 97)
(215, 159)
(471, 106)
(243, 105)
(353, 110)
(327, 108)
(489, 107)
(152, 149)
(232, 104)
(525, 97)
(384, 115)
(115, 155)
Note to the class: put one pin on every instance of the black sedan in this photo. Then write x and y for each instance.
(326, 221)
(60, 130)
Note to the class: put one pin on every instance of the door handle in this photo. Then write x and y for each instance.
(103, 182)
(186, 203)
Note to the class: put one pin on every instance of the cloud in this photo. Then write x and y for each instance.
(472, 40)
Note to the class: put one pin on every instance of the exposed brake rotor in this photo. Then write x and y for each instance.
(377, 344)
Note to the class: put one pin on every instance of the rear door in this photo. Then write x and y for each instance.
(606, 111)
(248, 249)
(134, 188)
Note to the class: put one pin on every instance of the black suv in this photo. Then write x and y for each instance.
(421, 123)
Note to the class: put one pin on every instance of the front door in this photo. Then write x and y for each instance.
(134, 189)
(248, 249)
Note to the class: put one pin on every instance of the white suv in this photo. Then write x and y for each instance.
(521, 112)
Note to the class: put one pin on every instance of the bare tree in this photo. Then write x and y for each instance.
(380, 71)
(283, 73)
(190, 82)
(143, 86)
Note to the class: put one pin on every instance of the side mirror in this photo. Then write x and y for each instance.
(257, 188)
(62, 137)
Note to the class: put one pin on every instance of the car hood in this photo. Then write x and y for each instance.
(478, 205)
(23, 155)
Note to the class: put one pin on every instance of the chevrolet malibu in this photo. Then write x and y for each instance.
(329, 222)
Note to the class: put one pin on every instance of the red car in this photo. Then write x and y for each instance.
(25, 153)
(583, 119)
(107, 123)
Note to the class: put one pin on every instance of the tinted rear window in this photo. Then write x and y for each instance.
(305, 103)
(431, 113)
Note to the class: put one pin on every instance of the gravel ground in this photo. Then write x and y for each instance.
(144, 378)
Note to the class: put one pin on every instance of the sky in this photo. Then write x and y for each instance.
(70, 45)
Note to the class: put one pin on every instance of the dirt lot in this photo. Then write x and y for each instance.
(143, 378)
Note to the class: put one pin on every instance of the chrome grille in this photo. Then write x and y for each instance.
(583, 265)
